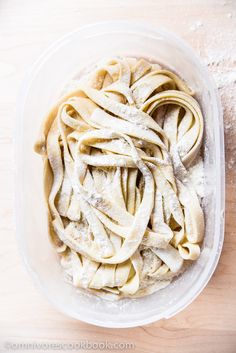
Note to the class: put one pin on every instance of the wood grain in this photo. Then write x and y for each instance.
(26, 29)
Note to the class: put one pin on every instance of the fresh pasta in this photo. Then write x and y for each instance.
(123, 214)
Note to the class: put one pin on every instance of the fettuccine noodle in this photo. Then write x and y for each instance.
(123, 214)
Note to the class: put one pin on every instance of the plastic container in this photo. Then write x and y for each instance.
(39, 91)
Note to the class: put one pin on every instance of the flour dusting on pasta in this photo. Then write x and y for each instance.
(121, 178)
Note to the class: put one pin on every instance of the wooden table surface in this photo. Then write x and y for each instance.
(27, 28)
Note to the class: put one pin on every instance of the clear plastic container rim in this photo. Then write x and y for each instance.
(123, 26)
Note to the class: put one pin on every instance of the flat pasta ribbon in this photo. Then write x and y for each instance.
(122, 212)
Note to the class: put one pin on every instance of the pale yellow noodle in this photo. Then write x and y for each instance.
(122, 212)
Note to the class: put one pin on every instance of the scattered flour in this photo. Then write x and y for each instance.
(220, 57)
(196, 174)
(226, 78)
(196, 25)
